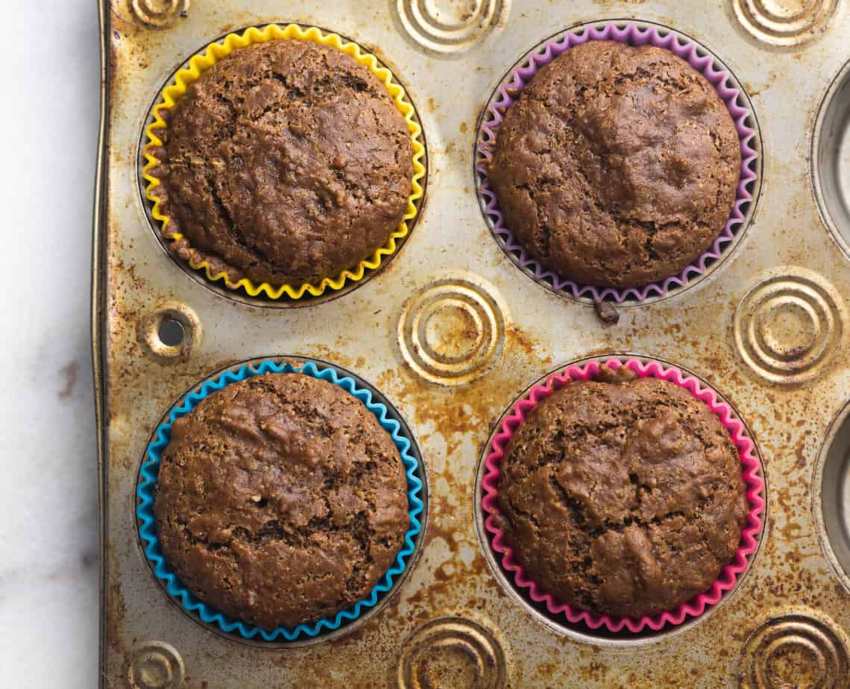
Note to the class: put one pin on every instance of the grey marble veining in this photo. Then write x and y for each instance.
(48, 531)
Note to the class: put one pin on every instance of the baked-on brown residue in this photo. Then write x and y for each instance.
(280, 500)
(622, 496)
(617, 165)
(286, 162)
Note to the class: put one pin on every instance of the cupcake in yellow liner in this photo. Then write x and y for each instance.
(289, 169)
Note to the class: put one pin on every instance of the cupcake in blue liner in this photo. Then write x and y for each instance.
(280, 501)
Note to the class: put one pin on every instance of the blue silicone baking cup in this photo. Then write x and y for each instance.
(149, 472)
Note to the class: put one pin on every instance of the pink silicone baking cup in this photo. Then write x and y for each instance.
(633, 34)
(751, 473)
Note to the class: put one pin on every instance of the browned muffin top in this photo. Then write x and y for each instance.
(286, 162)
(622, 495)
(280, 500)
(617, 166)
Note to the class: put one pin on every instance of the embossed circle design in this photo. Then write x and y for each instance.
(784, 22)
(452, 653)
(789, 325)
(452, 330)
(156, 665)
(450, 26)
(159, 13)
(798, 651)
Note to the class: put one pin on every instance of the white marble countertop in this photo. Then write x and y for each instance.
(48, 534)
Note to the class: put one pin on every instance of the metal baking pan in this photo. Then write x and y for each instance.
(767, 327)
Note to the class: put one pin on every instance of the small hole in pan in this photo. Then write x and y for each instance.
(171, 332)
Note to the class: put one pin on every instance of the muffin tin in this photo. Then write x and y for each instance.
(451, 333)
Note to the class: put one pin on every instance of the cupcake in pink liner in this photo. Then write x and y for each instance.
(622, 495)
(619, 195)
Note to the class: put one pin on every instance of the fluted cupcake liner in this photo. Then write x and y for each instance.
(636, 34)
(201, 62)
(562, 612)
(146, 489)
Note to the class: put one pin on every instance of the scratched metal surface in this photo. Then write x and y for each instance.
(768, 329)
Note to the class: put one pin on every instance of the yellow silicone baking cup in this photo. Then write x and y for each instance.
(197, 65)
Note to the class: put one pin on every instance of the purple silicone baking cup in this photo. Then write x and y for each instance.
(635, 34)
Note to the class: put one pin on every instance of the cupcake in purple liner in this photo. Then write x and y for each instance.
(614, 163)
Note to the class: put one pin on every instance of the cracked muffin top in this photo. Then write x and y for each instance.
(622, 495)
(280, 500)
(617, 165)
(285, 162)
